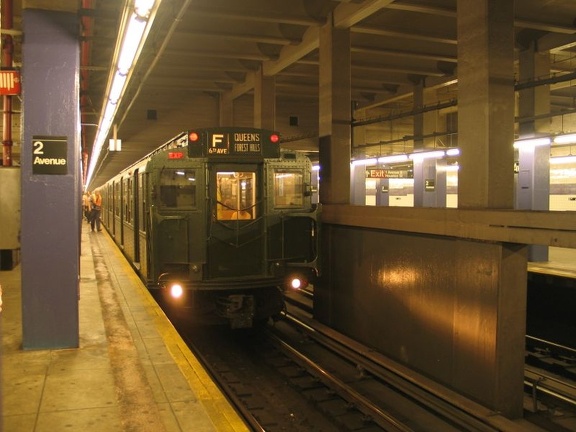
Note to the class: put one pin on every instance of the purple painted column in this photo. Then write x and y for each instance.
(51, 181)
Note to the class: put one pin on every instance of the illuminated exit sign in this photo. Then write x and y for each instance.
(9, 82)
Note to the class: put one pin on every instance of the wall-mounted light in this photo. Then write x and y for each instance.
(419, 156)
(357, 162)
(449, 168)
(562, 160)
(135, 27)
(531, 142)
(393, 158)
(565, 139)
(453, 152)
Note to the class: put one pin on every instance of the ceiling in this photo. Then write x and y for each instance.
(202, 50)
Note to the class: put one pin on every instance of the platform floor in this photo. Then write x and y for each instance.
(132, 371)
(561, 262)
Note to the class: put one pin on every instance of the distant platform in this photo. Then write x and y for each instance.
(561, 262)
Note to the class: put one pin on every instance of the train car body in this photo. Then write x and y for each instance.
(221, 218)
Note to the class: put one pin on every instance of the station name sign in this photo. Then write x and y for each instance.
(49, 155)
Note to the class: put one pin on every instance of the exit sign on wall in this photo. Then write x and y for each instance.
(9, 82)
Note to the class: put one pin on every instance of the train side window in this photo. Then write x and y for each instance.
(142, 196)
(128, 200)
(178, 188)
(117, 199)
(236, 195)
(288, 188)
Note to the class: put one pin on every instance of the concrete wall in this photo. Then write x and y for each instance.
(451, 309)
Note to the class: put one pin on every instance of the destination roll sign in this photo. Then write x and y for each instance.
(49, 155)
(233, 143)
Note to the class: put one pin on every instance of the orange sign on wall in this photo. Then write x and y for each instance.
(9, 82)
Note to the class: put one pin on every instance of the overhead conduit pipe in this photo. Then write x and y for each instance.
(7, 58)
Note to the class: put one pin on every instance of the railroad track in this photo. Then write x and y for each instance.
(246, 367)
(550, 374)
(384, 392)
(300, 376)
(549, 379)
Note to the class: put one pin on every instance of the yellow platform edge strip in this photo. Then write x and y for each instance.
(218, 408)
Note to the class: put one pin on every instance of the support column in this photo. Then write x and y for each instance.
(335, 115)
(358, 171)
(358, 180)
(533, 186)
(383, 192)
(226, 110)
(490, 324)
(51, 194)
(429, 182)
(486, 103)
(486, 180)
(265, 102)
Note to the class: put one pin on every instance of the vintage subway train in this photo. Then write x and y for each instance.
(220, 220)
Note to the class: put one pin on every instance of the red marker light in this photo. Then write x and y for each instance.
(193, 136)
(274, 138)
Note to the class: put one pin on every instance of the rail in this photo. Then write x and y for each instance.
(446, 404)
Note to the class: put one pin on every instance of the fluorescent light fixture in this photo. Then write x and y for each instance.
(449, 168)
(117, 87)
(565, 139)
(143, 7)
(136, 24)
(131, 43)
(315, 167)
(372, 161)
(427, 155)
(393, 158)
(453, 152)
(531, 142)
(562, 160)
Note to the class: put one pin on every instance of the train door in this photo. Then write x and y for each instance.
(136, 215)
(177, 222)
(116, 211)
(236, 222)
(123, 202)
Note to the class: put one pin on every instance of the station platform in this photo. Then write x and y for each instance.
(132, 371)
(561, 262)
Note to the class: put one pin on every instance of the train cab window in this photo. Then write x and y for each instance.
(236, 195)
(288, 188)
(178, 188)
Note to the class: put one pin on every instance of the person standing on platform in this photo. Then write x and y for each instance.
(96, 211)
(86, 204)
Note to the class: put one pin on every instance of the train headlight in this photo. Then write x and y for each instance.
(176, 291)
(297, 282)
